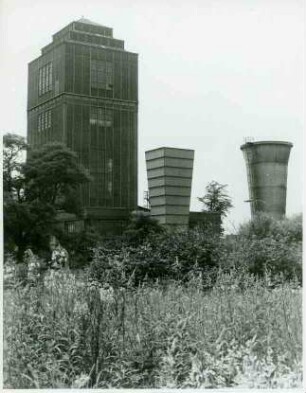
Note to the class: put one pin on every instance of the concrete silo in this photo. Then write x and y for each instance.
(169, 173)
(267, 163)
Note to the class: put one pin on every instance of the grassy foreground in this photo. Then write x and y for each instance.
(69, 333)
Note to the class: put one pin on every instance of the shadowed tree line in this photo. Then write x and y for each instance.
(47, 182)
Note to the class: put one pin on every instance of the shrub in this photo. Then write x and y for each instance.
(266, 245)
(263, 226)
(108, 267)
(80, 246)
(168, 255)
(259, 256)
(185, 251)
(141, 226)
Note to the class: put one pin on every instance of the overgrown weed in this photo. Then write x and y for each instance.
(66, 332)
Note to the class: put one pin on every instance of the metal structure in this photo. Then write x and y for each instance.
(169, 173)
(146, 200)
(83, 92)
(267, 163)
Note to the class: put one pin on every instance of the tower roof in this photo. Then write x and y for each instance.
(88, 22)
(86, 32)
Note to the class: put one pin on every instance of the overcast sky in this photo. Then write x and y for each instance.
(211, 72)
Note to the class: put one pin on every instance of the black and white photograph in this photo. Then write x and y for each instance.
(152, 199)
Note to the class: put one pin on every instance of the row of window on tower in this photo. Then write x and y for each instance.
(45, 79)
(101, 76)
(98, 117)
(101, 117)
(44, 121)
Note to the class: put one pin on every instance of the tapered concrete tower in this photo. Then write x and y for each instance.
(169, 176)
(267, 164)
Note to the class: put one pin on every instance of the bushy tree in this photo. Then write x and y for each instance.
(52, 173)
(264, 225)
(34, 190)
(182, 252)
(166, 255)
(80, 246)
(141, 226)
(265, 245)
(14, 147)
(216, 199)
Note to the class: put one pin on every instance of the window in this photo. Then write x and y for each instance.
(44, 121)
(75, 226)
(45, 79)
(71, 227)
(100, 116)
(101, 74)
(109, 176)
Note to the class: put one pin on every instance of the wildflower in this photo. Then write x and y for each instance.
(80, 308)
(50, 278)
(80, 284)
(33, 269)
(92, 285)
(59, 256)
(107, 294)
(8, 274)
(80, 382)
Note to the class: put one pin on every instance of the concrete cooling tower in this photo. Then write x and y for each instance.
(267, 164)
(169, 177)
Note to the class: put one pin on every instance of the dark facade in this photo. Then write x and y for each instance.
(83, 92)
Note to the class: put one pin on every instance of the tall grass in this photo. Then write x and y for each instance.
(65, 332)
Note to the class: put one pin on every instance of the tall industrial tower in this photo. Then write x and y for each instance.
(169, 178)
(83, 92)
(267, 164)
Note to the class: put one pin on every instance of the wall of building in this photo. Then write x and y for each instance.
(169, 178)
(267, 164)
(90, 104)
(108, 152)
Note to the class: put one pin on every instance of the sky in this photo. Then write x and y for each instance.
(211, 73)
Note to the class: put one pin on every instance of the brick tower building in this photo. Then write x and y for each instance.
(83, 92)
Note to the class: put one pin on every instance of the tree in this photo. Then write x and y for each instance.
(52, 173)
(141, 226)
(13, 157)
(216, 199)
(36, 189)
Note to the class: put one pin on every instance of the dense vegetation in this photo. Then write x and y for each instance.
(179, 309)
(263, 246)
(75, 333)
(154, 308)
